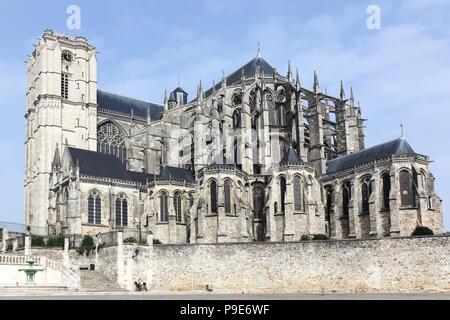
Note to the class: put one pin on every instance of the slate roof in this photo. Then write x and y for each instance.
(291, 157)
(172, 97)
(177, 173)
(398, 146)
(104, 165)
(179, 89)
(114, 102)
(249, 70)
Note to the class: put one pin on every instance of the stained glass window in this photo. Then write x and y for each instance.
(110, 140)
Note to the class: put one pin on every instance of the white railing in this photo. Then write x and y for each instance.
(69, 277)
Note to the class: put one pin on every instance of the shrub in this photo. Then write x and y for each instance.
(156, 241)
(55, 241)
(130, 240)
(422, 231)
(305, 237)
(87, 244)
(319, 237)
(37, 241)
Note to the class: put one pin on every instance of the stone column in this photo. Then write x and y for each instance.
(66, 261)
(201, 213)
(374, 205)
(5, 236)
(172, 228)
(353, 210)
(243, 222)
(394, 205)
(335, 222)
(289, 211)
(221, 216)
(246, 123)
(172, 222)
(317, 148)
(266, 140)
(15, 244)
(27, 244)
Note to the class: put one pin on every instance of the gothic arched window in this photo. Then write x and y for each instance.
(386, 188)
(121, 210)
(237, 100)
(298, 193)
(213, 194)
(110, 140)
(258, 202)
(94, 208)
(227, 195)
(163, 207)
(366, 190)
(282, 193)
(406, 189)
(177, 206)
(346, 195)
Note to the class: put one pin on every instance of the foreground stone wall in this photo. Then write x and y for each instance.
(379, 265)
(373, 265)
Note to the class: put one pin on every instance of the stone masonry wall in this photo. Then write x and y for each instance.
(376, 265)
(372, 265)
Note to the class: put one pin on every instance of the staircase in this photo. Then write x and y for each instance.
(95, 281)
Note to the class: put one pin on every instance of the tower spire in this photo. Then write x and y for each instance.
(316, 83)
(289, 74)
(342, 93)
(352, 99)
(297, 80)
(258, 55)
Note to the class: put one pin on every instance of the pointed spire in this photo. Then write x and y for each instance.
(342, 93)
(316, 83)
(401, 130)
(214, 88)
(289, 74)
(165, 100)
(200, 91)
(352, 99)
(258, 55)
(224, 80)
(297, 80)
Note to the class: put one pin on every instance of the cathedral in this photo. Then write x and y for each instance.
(255, 157)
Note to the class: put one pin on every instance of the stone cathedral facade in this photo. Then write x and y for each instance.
(256, 157)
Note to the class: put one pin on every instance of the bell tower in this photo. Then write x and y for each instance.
(61, 109)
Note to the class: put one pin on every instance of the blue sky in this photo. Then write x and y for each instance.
(400, 73)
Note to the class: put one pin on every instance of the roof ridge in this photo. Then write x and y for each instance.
(371, 147)
(129, 97)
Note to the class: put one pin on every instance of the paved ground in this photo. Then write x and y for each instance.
(218, 296)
